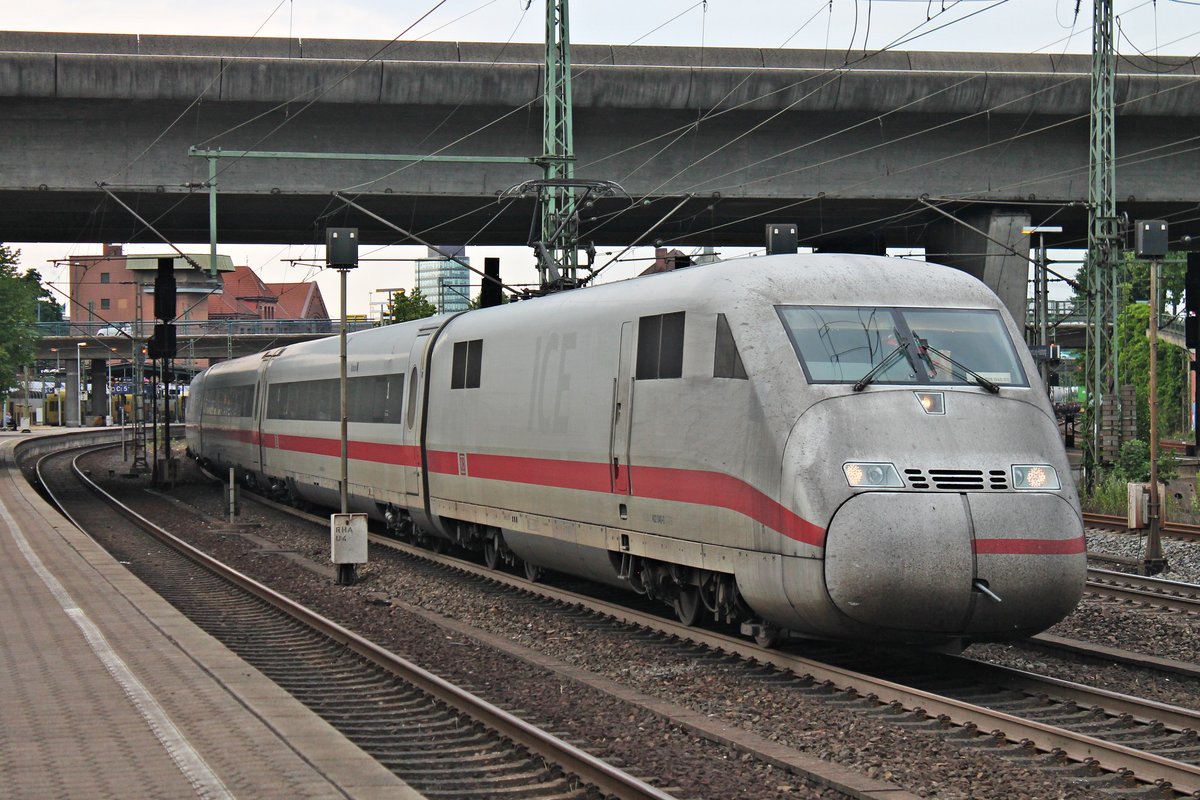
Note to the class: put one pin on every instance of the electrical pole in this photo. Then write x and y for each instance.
(1101, 272)
(558, 256)
(1152, 243)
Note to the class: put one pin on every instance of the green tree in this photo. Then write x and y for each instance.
(1136, 272)
(48, 309)
(403, 307)
(1134, 349)
(18, 317)
(1133, 463)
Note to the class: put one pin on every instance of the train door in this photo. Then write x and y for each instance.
(261, 398)
(414, 413)
(622, 415)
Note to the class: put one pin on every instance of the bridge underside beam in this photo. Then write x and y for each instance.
(856, 225)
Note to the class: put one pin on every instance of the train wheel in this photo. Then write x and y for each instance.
(533, 573)
(491, 551)
(688, 606)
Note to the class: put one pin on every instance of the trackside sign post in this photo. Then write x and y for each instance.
(347, 544)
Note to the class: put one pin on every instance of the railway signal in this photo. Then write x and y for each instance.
(341, 253)
(1151, 241)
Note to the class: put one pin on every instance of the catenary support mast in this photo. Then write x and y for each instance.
(558, 255)
(1103, 239)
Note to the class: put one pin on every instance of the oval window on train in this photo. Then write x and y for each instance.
(412, 398)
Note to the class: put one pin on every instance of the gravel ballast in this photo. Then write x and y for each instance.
(926, 764)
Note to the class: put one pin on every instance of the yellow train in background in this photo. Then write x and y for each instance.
(120, 409)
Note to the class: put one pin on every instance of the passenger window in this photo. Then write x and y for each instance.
(660, 347)
(727, 362)
(467, 365)
(395, 399)
(412, 398)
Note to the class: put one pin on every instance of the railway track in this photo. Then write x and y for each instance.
(1114, 742)
(1183, 531)
(438, 737)
(1109, 741)
(1145, 590)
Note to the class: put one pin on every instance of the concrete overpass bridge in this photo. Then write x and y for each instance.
(739, 136)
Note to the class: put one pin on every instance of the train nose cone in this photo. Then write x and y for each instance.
(902, 561)
(910, 562)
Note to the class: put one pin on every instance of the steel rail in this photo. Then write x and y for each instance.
(1146, 590)
(1184, 531)
(571, 759)
(1110, 756)
(1117, 655)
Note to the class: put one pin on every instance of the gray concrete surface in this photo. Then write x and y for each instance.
(750, 136)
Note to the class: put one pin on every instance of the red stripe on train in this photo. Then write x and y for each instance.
(400, 454)
(696, 487)
(1040, 547)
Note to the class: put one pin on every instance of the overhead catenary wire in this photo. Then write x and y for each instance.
(195, 101)
(510, 113)
(1122, 161)
(435, 248)
(908, 37)
(831, 75)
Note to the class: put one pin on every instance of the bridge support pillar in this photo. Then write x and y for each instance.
(989, 257)
(98, 402)
(70, 409)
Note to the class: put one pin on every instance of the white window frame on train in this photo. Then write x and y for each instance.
(660, 347)
(840, 344)
(369, 398)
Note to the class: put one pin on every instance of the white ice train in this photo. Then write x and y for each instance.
(832, 446)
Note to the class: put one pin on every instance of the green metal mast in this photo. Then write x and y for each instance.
(1103, 235)
(558, 254)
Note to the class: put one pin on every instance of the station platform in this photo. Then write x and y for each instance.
(107, 691)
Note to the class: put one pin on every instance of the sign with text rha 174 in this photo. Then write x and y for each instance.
(348, 538)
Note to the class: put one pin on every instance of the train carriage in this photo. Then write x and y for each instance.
(836, 446)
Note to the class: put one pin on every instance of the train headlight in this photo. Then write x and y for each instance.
(872, 475)
(1034, 476)
(932, 402)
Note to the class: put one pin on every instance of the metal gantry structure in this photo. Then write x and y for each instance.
(558, 253)
(1101, 278)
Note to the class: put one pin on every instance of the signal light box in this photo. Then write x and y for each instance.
(341, 247)
(1151, 239)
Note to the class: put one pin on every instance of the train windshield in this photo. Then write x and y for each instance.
(844, 344)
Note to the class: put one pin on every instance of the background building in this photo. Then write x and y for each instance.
(114, 290)
(445, 282)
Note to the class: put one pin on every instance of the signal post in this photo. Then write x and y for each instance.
(162, 346)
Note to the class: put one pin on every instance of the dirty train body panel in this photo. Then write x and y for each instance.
(806, 443)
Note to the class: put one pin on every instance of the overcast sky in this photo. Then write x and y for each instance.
(1164, 27)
